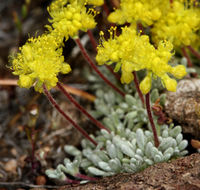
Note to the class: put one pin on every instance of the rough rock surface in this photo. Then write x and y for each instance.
(184, 106)
(180, 174)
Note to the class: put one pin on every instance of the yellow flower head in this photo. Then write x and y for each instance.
(94, 2)
(39, 62)
(145, 11)
(133, 52)
(69, 18)
(179, 25)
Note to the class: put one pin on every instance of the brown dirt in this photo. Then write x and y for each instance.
(180, 174)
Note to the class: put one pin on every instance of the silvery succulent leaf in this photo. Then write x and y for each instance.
(98, 172)
(52, 174)
(157, 158)
(125, 160)
(72, 150)
(108, 123)
(166, 143)
(141, 141)
(138, 157)
(148, 149)
(169, 151)
(149, 162)
(176, 151)
(115, 164)
(106, 134)
(183, 153)
(123, 105)
(162, 100)
(102, 155)
(130, 100)
(126, 149)
(154, 151)
(179, 138)
(167, 157)
(133, 167)
(165, 134)
(154, 95)
(111, 149)
(92, 157)
(128, 168)
(120, 113)
(140, 152)
(175, 131)
(104, 166)
(71, 168)
(182, 145)
(85, 163)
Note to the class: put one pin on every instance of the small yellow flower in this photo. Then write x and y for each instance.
(179, 25)
(69, 18)
(133, 52)
(127, 75)
(145, 11)
(94, 2)
(145, 85)
(39, 62)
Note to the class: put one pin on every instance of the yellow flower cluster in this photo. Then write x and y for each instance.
(133, 52)
(39, 62)
(145, 11)
(69, 18)
(179, 25)
(94, 2)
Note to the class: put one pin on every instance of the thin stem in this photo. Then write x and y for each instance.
(72, 181)
(194, 52)
(97, 123)
(138, 88)
(141, 28)
(148, 107)
(85, 177)
(33, 149)
(86, 56)
(187, 57)
(94, 44)
(106, 9)
(92, 39)
(53, 102)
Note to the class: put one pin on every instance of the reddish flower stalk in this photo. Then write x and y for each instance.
(141, 28)
(171, 3)
(187, 57)
(92, 39)
(106, 9)
(33, 159)
(53, 102)
(148, 107)
(138, 88)
(194, 52)
(85, 177)
(71, 99)
(72, 181)
(94, 44)
(86, 56)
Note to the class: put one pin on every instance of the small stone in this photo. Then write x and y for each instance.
(195, 144)
(14, 152)
(41, 180)
(11, 166)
